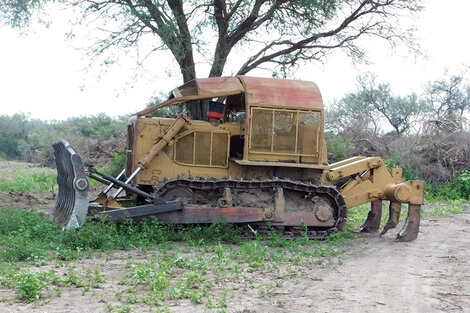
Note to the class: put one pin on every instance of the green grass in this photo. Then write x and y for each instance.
(32, 286)
(447, 208)
(211, 256)
(35, 182)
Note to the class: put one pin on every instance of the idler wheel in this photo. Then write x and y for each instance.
(323, 212)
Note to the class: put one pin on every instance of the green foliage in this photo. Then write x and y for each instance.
(28, 236)
(30, 140)
(29, 286)
(169, 111)
(99, 126)
(459, 188)
(116, 163)
(447, 100)
(18, 13)
(338, 147)
(394, 160)
(397, 111)
(444, 209)
(16, 133)
(22, 181)
(372, 107)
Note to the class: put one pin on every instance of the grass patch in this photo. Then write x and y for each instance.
(213, 256)
(29, 236)
(35, 182)
(32, 286)
(444, 209)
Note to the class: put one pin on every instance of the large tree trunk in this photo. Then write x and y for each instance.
(197, 110)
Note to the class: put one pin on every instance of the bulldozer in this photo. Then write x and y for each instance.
(258, 157)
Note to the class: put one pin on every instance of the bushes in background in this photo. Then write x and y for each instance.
(30, 140)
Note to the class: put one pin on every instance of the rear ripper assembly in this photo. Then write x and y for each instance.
(263, 162)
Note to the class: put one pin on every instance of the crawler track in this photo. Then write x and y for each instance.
(302, 194)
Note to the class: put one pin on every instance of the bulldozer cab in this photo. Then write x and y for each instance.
(253, 119)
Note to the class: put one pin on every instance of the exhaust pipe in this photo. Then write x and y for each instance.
(72, 202)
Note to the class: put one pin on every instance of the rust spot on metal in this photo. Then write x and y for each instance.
(283, 93)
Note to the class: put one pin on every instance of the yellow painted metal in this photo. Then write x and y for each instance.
(165, 139)
(282, 135)
(286, 137)
(354, 167)
(282, 164)
(370, 180)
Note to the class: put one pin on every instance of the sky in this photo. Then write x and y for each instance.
(49, 77)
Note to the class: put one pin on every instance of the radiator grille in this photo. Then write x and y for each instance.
(185, 149)
(219, 149)
(287, 132)
(261, 131)
(203, 149)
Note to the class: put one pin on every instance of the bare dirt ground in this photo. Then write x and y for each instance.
(431, 274)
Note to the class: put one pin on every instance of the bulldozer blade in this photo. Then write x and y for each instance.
(393, 216)
(72, 202)
(411, 228)
(372, 223)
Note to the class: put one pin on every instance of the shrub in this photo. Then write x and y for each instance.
(459, 188)
(117, 162)
(395, 160)
(29, 286)
(339, 148)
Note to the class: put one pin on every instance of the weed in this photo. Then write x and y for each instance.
(440, 209)
(222, 301)
(281, 303)
(325, 250)
(29, 286)
(163, 309)
(124, 309)
(459, 188)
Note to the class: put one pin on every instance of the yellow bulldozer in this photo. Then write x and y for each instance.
(258, 158)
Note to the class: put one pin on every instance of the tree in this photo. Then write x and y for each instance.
(282, 33)
(398, 111)
(17, 13)
(447, 100)
(352, 115)
(367, 108)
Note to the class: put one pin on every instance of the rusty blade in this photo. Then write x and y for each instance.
(72, 202)
(393, 216)
(411, 228)
(372, 223)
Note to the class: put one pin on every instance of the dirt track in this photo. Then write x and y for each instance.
(431, 274)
